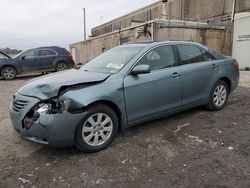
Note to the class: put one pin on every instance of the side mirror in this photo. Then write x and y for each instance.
(141, 69)
(23, 57)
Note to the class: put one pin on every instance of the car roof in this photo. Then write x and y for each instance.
(50, 47)
(152, 44)
(57, 49)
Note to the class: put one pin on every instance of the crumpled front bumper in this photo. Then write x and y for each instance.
(56, 130)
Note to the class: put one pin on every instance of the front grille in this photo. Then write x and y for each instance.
(19, 105)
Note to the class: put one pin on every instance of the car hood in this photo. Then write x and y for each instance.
(6, 60)
(49, 86)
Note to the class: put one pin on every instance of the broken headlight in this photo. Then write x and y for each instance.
(65, 104)
(55, 106)
(71, 106)
(44, 109)
(47, 107)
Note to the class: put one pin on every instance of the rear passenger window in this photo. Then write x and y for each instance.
(192, 54)
(159, 58)
(207, 56)
(43, 53)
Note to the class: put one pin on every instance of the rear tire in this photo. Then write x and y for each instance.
(97, 130)
(218, 96)
(8, 73)
(61, 66)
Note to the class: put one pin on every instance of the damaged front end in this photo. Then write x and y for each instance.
(50, 107)
(48, 112)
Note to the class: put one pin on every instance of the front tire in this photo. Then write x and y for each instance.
(97, 129)
(8, 73)
(218, 96)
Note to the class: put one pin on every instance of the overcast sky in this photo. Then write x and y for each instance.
(27, 24)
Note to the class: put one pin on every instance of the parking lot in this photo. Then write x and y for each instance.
(195, 148)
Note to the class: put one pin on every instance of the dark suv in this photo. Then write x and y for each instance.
(39, 60)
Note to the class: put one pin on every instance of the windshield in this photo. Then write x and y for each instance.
(113, 60)
(17, 55)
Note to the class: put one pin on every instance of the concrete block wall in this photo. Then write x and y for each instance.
(213, 38)
(190, 10)
(142, 15)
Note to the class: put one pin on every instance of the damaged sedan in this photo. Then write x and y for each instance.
(124, 86)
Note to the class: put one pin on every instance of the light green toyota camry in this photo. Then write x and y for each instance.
(124, 86)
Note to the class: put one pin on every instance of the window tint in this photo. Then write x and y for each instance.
(159, 58)
(30, 54)
(207, 56)
(190, 54)
(43, 53)
(217, 55)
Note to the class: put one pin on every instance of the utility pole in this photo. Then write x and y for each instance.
(84, 17)
(233, 10)
(164, 9)
(101, 19)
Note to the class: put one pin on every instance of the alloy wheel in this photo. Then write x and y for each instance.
(220, 95)
(8, 73)
(62, 67)
(97, 129)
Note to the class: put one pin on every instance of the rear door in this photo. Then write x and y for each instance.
(149, 95)
(29, 61)
(46, 59)
(199, 72)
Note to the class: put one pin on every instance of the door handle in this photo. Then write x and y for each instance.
(176, 75)
(215, 66)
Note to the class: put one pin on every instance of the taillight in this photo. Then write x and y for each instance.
(236, 65)
(70, 57)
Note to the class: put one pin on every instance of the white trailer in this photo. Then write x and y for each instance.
(241, 39)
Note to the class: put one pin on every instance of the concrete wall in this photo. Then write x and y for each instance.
(218, 39)
(142, 15)
(192, 10)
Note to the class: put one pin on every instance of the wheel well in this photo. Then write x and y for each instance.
(4, 66)
(61, 61)
(111, 105)
(228, 82)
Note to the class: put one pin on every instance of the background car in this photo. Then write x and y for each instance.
(39, 60)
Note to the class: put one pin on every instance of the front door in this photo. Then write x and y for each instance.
(29, 61)
(156, 93)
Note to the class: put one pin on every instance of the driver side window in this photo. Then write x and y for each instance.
(30, 54)
(159, 58)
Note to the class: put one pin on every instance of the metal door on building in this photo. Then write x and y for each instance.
(241, 41)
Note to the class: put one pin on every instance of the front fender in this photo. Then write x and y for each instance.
(110, 91)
